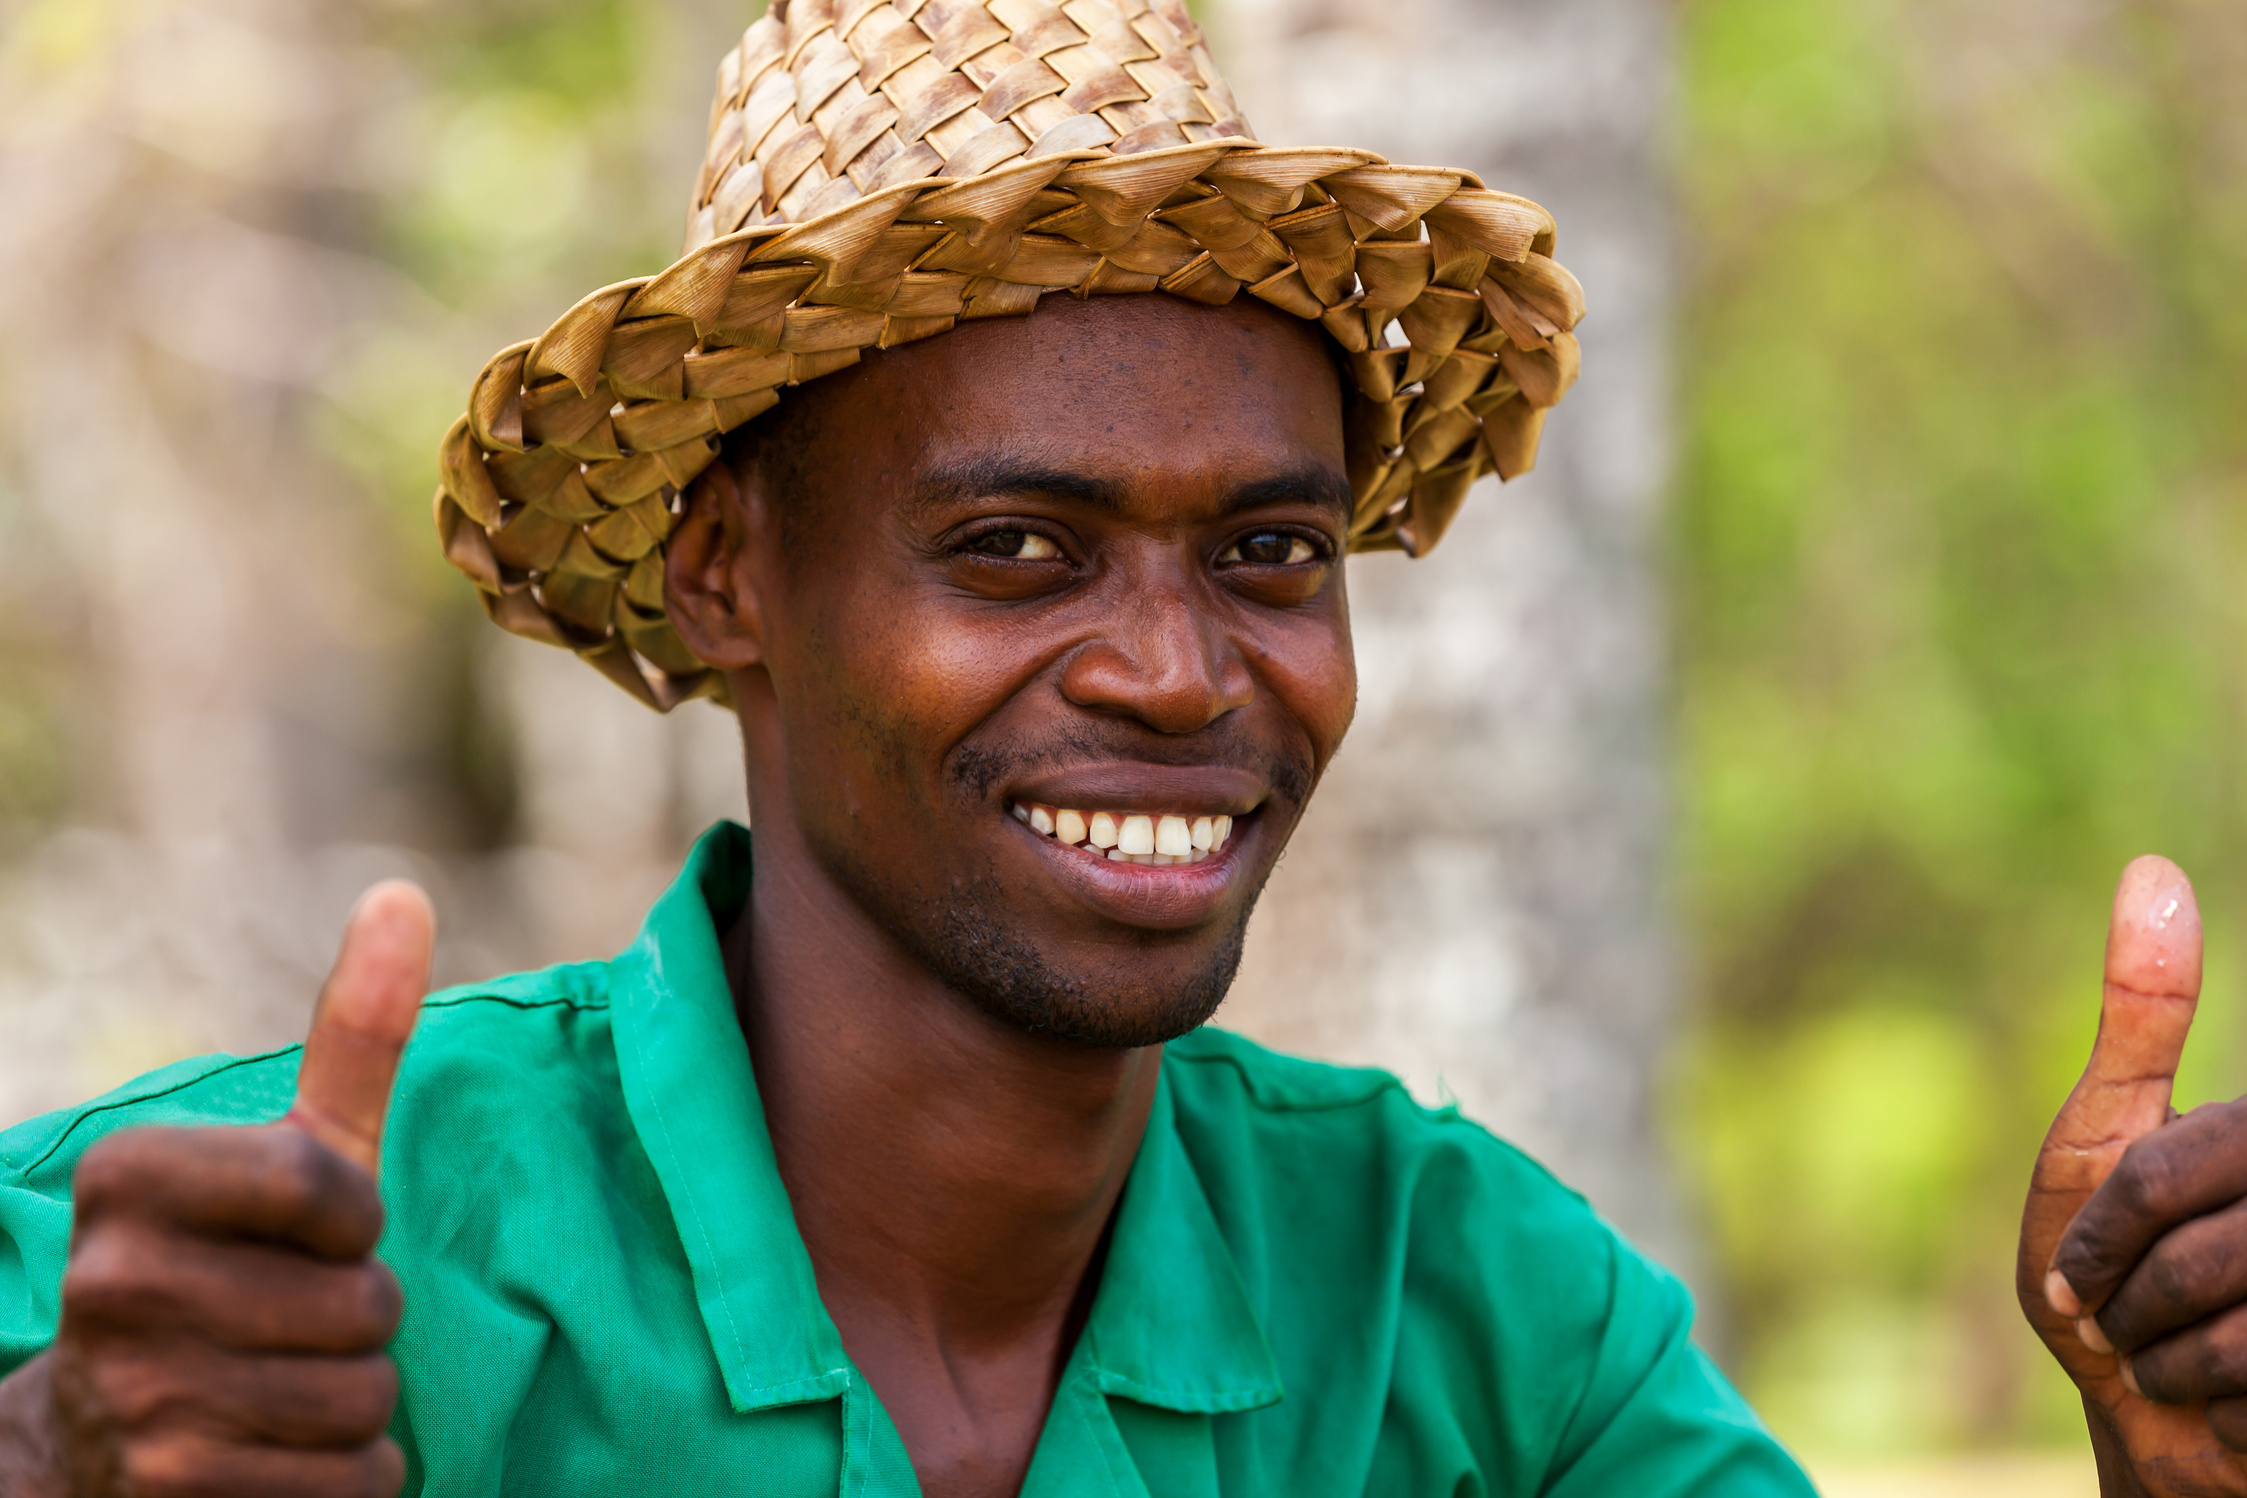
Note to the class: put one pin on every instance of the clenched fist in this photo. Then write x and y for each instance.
(2133, 1261)
(223, 1317)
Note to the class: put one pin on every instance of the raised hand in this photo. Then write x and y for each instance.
(223, 1317)
(2133, 1258)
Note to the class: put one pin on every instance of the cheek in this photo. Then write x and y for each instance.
(1310, 667)
(903, 681)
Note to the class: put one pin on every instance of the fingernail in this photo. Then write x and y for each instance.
(2130, 1379)
(2087, 1331)
(2061, 1296)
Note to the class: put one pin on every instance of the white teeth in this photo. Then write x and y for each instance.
(1157, 838)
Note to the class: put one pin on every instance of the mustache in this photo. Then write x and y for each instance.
(980, 768)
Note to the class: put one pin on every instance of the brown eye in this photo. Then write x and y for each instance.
(1270, 549)
(1027, 546)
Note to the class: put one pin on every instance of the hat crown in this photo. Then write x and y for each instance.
(880, 171)
(824, 102)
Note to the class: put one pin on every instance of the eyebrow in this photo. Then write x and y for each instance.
(1316, 485)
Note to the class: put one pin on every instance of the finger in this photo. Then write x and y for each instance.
(2198, 1267)
(2152, 984)
(272, 1183)
(190, 1464)
(2227, 1418)
(245, 1296)
(2208, 1361)
(289, 1401)
(366, 1011)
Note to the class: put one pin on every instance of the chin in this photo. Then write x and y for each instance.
(1149, 997)
(983, 938)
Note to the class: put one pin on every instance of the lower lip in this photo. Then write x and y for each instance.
(1158, 897)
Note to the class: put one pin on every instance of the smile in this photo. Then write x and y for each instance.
(1129, 837)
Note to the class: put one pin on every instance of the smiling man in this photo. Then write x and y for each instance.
(895, 1156)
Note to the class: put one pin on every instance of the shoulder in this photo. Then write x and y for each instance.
(495, 1021)
(500, 1024)
(203, 1090)
(499, 1070)
(1508, 1320)
(1235, 1097)
(1428, 1216)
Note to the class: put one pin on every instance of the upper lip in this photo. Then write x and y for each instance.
(1134, 786)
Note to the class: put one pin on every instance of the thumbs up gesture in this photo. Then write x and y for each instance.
(2133, 1260)
(223, 1317)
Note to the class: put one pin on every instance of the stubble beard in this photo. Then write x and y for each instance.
(961, 938)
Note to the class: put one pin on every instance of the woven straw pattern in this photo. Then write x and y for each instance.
(879, 170)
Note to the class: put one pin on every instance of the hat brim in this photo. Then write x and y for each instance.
(560, 484)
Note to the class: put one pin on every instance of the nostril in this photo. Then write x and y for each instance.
(1171, 690)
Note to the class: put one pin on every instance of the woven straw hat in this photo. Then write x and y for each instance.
(879, 170)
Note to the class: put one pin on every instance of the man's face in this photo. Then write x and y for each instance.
(1076, 568)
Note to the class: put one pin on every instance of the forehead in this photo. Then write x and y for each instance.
(1146, 391)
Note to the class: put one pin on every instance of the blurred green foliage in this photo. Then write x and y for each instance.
(1962, 623)
(530, 164)
(522, 180)
(1962, 627)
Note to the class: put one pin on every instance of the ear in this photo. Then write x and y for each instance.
(709, 585)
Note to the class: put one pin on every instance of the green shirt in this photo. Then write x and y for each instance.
(1314, 1286)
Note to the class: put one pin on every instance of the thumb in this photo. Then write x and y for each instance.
(2152, 986)
(367, 1009)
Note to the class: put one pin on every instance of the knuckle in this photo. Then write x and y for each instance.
(110, 1171)
(171, 1466)
(131, 1392)
(322, 1196)
(110, 1277)
(2168, 1282)
(2146, 1178)
(297, 1173)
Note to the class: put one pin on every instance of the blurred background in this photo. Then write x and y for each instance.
(1734, 803)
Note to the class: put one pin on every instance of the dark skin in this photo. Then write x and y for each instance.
(1089, 558)
(2133, 1261)
(992, 598)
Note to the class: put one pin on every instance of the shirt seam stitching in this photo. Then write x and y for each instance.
(560, 1001)
(93, 1109)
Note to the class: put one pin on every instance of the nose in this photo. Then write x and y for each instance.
(1163, 659)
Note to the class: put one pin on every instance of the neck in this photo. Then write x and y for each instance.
(952, 1176)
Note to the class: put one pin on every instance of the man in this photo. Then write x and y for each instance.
(894, 1157)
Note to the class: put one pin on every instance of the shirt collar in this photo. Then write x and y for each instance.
(1171, 1326)
(693, 1101)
